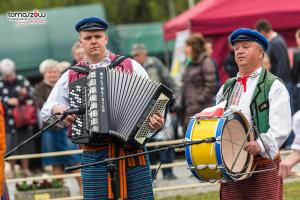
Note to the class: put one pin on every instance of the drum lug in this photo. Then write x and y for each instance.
(201, 166)
(191, 167)
(223, 181)
(220, 167)
(212, 166)
(212, 180)
(230, 117)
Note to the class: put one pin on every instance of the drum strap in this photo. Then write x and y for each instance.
(227, 90)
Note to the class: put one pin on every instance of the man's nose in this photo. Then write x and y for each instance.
(239, 50)
(93, 40)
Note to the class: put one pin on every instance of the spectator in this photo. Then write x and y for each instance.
(63, 66)
(230, 65)
(277, 51)
(289, 162)
(199, 79)
(280, 65)
(296, 59)
(209, 51)
(295, 63)
(154, 67)
(15, 90)
(157, 71)
(53, 139)
(267, 62)
(297, 36)
(77, 53)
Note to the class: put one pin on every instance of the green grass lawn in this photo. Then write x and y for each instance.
(291, 192)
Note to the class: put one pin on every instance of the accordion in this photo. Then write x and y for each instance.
(117, 105)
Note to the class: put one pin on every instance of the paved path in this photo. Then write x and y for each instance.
(184, 178)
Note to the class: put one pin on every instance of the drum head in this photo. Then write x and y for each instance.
(235, 159)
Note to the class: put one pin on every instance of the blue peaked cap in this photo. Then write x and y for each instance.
(90, 24)
(245, 34)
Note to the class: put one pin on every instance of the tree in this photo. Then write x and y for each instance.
(117, 11)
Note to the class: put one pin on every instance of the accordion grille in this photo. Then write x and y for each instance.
(144, 131)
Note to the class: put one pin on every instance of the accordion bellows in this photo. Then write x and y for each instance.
(118, 106)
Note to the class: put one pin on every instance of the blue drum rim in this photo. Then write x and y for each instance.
(188, 149)
(218, 149)
(218, 132)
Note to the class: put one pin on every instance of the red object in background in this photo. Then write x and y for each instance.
(24, 115)
(216, 19)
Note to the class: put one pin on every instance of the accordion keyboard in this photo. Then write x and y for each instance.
(77, 97)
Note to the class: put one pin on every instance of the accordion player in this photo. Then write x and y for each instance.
(117, 105)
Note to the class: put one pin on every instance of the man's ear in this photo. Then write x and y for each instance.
(261, 55)
(106, 38)
(78, 39)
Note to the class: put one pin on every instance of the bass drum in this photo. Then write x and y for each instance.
(225, 160)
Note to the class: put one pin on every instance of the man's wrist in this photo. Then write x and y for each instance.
(262, 148)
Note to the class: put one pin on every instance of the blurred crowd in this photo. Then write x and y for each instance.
(200, 82)
(22, 103)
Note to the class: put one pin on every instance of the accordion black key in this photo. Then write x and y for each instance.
(117, 105)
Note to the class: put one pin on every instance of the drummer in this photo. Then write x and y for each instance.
(263, 97)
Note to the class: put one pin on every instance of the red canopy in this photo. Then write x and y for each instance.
(218, 18)
(181, 22)
(227, 15)
(218, 21)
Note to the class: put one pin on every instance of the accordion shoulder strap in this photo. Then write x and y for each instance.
(116, 61)
(80, 69)
(85, 70)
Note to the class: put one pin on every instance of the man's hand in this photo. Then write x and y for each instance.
(69, 119)
(252, 147)
(13, 101)
(285, 167)
(157, 121)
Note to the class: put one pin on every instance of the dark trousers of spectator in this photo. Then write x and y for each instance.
(294, 92)
(164, 157)
(36, 164)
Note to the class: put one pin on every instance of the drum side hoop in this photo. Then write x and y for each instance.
(219, 130)
(246, 127)
(188, 149)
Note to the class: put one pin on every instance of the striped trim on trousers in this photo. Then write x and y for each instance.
(95, 178)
